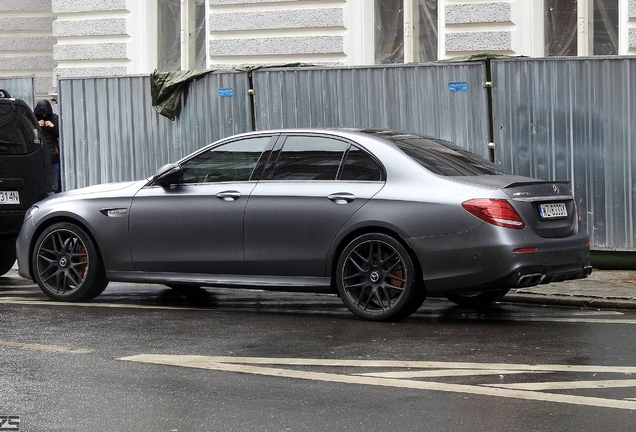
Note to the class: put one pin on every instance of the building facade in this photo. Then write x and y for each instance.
(78, 38)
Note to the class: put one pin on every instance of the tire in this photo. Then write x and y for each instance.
(477, 299)
(66, 264)
(7, 256)
(376, 279)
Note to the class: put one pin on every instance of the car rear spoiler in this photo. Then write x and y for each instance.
(529, 183)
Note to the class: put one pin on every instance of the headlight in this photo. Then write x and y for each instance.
(29, 214)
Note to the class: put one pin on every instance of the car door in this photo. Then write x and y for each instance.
(294, 213)
(196, 225)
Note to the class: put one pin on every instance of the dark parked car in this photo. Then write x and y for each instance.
(24, 171)
(381, 218)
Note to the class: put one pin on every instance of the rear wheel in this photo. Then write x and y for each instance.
(376, 279)
(477, 299)
(7, 256)
(66, 264)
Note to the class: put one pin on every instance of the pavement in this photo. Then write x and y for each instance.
(603, 289)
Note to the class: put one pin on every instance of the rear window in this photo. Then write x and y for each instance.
(19, 134)
(439, 156)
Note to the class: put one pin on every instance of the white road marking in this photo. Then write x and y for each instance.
(566, 385)
(252, 366)
(443, 373)
(43, 348)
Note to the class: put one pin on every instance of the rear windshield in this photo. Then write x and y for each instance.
(19, 134)
(441, 157)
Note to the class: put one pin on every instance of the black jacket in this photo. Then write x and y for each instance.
(44, 111)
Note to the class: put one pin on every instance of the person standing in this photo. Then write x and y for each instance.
(50, 129)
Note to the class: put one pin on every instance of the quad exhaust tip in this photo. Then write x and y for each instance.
(530, 279)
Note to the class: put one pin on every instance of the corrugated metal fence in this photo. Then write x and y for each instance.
(574, 119)
(442, 100)
(20, 88)
(110, 132)
(552, 119)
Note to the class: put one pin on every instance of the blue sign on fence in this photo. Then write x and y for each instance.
(226, 92)
(457, 86)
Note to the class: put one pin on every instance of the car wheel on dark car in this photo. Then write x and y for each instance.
(7, 256)
(67, 265)
(477, 299)
(376, 279)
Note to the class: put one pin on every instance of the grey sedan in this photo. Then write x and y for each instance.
(380, 218)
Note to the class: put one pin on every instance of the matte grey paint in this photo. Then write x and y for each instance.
(293, 231)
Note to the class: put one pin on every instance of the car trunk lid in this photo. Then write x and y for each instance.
(547, 207)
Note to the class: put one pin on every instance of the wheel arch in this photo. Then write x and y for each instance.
(342, 244)
(52, 221)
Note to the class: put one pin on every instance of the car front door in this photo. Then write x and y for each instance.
(294, 214)
(196, 225)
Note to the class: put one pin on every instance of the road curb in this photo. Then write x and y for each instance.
(556, 300)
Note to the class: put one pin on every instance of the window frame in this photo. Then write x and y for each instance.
(187, 35)
(585, 28)
(272, 162)
(258, 169)
(410, 32)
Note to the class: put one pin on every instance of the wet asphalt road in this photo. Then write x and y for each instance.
(146, 358)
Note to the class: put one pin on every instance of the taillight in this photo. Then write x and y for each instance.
(495, 211)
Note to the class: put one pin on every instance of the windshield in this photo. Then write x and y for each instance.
(19, 133)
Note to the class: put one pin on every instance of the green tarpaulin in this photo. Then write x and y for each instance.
(166, 89)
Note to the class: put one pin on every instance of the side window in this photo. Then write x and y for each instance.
(233, 161)
(309, 158)
(359, 165)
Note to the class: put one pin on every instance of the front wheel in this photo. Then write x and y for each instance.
(66, 264)
(477, 299)
(376, 279)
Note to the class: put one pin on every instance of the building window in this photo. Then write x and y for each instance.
(181, 35)
(405, 31)
(581, 27)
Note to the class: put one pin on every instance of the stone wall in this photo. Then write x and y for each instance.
(478, 27)
(92, 38)
(26, 42)
(281, 31)
(631, 13)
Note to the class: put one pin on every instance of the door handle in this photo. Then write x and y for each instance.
(229, 195)
(341, 197)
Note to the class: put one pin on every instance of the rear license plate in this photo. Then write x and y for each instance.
(9, 197)
(553, 211)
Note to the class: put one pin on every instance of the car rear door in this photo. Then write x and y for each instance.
(196, 226)
(313, 185)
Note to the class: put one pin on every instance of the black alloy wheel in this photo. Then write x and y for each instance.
(477, 299)
(376, 279)
(66, 264)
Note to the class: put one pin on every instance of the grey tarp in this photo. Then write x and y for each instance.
(166, 89)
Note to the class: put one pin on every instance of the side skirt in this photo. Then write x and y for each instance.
(269, 283)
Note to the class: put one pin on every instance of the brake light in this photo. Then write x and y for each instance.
(497, 212)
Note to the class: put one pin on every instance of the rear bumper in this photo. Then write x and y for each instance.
(484, 259)
(532, 276)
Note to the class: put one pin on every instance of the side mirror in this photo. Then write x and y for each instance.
(168, 174)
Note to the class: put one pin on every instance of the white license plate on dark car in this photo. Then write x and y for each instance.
(553, 211)
(9, 197)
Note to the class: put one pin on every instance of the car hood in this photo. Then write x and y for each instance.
(121, 189)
